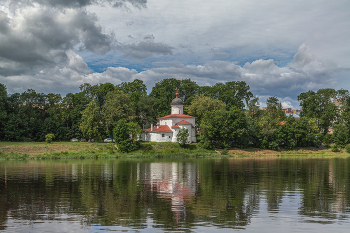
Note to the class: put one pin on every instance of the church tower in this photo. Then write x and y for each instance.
(177, 106)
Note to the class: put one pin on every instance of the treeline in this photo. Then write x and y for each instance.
(227, 114)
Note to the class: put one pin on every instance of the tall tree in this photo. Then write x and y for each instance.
(3, 109)
(90, 125)
(235, 93)
(320, 105)
(274, 109)
(224, 129)
(163, 93)
(202, 104)
(118, 106)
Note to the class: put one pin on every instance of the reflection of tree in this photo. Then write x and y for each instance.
(325, 188)
(172, 195)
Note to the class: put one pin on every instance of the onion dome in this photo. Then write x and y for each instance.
(177, 100)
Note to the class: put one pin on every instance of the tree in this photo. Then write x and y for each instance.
(201, 104)
(163, 93)
(320, 105)
(182, 136)
(49, 137)
(274, 109)
(122, 133)
(137, 92)
(235, 93)
(3, 109)
(90, 125)
(118, 106)
(224, 129)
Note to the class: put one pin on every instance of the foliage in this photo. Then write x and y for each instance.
(122, 133)
(233, 94)
(96, 109)
(224, 129)
(182, 136)
(90, 125)
(118, 106)
(201, 104)
(347, 148)
(49, 137)
(320, 105)
(335, 148)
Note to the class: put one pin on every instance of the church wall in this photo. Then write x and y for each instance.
(167, 122)
(157, 137)
(177, 109)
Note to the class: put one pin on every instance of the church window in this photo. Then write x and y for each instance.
(163, 135)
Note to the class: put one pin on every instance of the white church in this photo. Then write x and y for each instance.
(168, 127)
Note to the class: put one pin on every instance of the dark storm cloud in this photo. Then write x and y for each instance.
(37, 37)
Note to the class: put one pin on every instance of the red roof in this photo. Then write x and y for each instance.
(176, 116)
(159, 129)
(175, 126)
(183, 122)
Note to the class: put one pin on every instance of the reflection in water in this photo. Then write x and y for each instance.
(176, 195)
(174, 181)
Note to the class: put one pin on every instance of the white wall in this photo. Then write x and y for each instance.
(177, 109)
(157, 137)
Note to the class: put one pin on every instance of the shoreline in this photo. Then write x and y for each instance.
(79, 150)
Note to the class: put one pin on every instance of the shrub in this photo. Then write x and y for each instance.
(182, 136)
(128, 145)
(347, 148)
(224, 151)
(335, 148)
(274, 146)
(49, 137)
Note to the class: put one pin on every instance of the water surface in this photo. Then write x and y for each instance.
(194, 195)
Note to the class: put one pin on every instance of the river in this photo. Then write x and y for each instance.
(176, 195)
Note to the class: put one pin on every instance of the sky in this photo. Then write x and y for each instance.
(278, 47)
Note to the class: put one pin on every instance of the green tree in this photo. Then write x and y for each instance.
(122, 133)
(235, 93)
(224, 129)
(90, 125)
(182, 136)
(3, 109)
(49, 137)
(118, 106)
(320, 105)
(163, 93)
(274, 109)
(201, 104)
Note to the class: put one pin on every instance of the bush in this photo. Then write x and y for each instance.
(224, 151)
(49, 137)
(128, 145)
(335, 148)
(274, 146)
(347, 148)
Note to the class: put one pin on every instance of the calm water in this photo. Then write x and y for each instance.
(198, 195)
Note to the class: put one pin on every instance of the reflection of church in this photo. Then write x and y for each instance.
(169, 126)
(176, 182)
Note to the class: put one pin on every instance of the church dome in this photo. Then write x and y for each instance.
(177, 101)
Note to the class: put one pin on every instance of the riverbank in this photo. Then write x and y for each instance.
(79, 150)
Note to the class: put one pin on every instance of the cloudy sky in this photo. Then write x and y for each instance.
(277, 47)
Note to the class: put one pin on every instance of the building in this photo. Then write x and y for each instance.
(168, 127)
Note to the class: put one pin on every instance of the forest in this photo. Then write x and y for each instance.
(228, 114)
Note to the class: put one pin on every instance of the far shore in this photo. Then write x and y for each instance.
(82, 150)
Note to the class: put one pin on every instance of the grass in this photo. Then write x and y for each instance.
(79, 150)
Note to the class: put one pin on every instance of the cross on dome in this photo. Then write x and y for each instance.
(177, 94)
